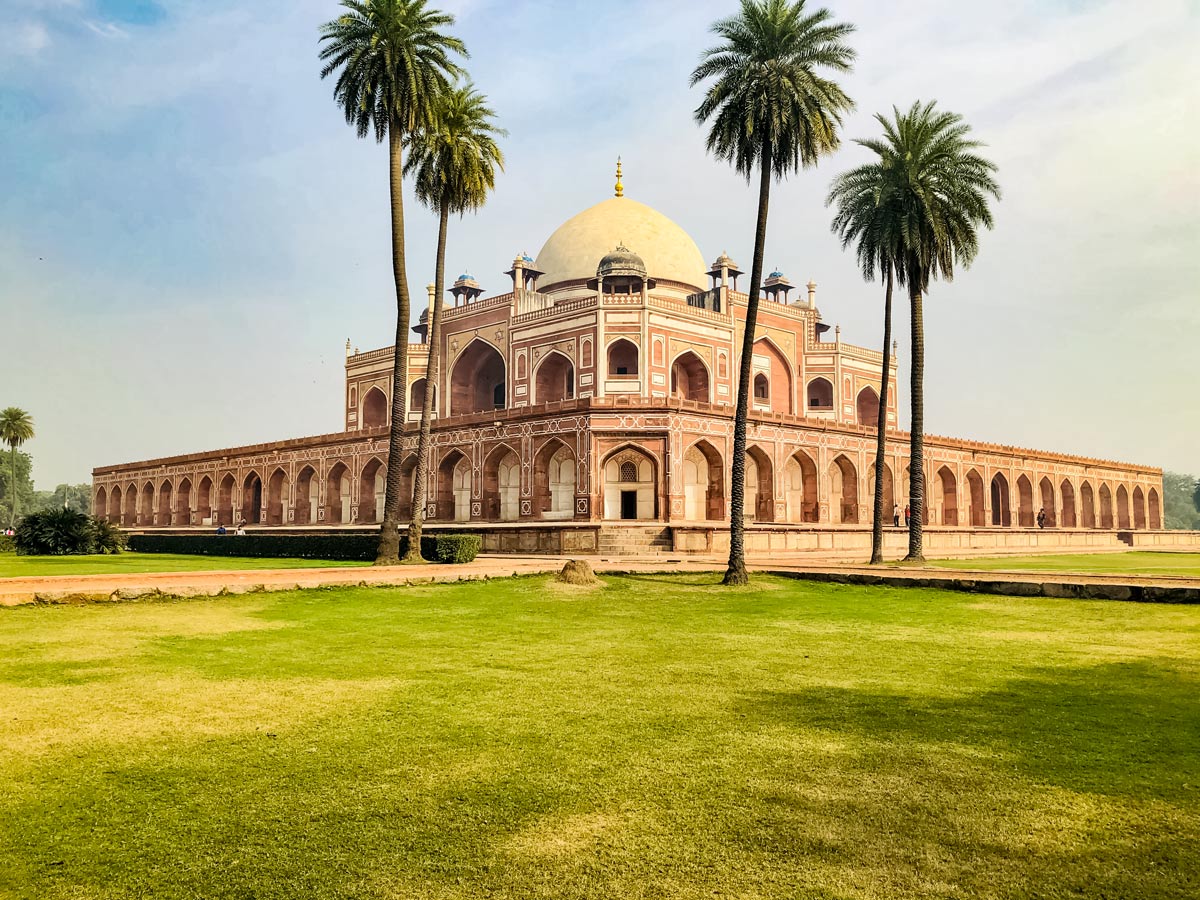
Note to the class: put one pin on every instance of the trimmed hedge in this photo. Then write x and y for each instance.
(442, 548)
(6, 543)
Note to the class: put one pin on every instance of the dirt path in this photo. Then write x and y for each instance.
(81, 588)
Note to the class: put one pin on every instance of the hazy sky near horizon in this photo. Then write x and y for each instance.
(189, 232)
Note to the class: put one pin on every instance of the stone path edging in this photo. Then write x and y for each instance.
(153, 585)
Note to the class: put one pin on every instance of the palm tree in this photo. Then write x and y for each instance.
(868, 217)
(454, 163)
(393, 62)
(939, 188)
(16, 427)
(772, 109)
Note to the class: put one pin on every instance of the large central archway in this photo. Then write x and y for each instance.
(630, 485)
(478, 380)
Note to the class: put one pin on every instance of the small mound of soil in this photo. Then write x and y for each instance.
(578, 571)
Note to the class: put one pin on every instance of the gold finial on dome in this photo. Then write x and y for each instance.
(620, 187)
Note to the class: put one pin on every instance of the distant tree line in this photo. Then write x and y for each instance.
(1181, 501)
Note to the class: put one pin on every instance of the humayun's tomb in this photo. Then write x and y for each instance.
(598, 394)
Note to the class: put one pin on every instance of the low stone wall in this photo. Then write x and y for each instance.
(1164, 540)
(765, 539)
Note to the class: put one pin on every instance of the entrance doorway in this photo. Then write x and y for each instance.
(629, 504)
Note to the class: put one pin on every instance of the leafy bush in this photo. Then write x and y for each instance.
(442, 548)
(57, 532)
(6, 543)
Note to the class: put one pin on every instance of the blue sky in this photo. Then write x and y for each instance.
(189, 232)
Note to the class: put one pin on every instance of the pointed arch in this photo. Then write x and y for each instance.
(225, 499)
(703, 483)
(1087, 503)
(183, 502)
(977, 507)
(622, 359)
(759, 500)
(478, 380)
(1070, 515)
(304, 507)
(780, 390)
(1025, 512)
(867, 407)
(371, 480)
(416, 399)
(502, 484)
(1154, 509)
(146, 512)
(204, 498)
(100, 503)
(454, 478)
(554, 476)
(1046, 495)
(338, 508)
(374, 409)
(1001, 502)
(631, 478)
(277, 499)
(252, 498)
(114, 504)
(800, 488)
(1139, 507)
(1122, 507)
(1106, 506)
(162, 515)
(554, 378)
(689, 378)
(820, 394)
(843, 491)
(945, 495)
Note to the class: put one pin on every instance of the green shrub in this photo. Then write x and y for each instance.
(58, 532)
(6, 543)
(442, 548)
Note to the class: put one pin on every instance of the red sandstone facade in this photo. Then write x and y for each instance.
(600, 388)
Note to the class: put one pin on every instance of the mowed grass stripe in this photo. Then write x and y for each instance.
(656, 737)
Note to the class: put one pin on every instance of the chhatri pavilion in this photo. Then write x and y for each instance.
(597, 393)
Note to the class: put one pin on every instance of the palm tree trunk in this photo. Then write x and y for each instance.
(881, 434)
(12, 490)
(736, 572)
(389, 533)
(916, 452)
(420, 476)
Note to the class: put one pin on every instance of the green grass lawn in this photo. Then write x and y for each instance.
(659, 737)
(1133, 562)
(12, 565)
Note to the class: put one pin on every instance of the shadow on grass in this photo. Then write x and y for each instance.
(1121, 729)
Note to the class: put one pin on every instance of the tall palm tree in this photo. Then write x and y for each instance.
(940, 188)
(772, 109)
(16, 427)
(393, 61)
(868, 217)
(454, 163)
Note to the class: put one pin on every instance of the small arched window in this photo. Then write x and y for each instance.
(622, 358)
(762, 390)
(629, 471)
(820, 394)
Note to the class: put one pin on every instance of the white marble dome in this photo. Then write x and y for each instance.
(574, 251)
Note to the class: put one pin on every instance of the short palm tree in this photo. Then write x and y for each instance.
(393, 61)
(454, 163)
(868, 218)
(771, 107)
(16, 427)
(940, 189)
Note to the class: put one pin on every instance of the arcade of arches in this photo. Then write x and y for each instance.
(547, 479)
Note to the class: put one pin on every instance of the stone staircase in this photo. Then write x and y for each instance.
(634, 540)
